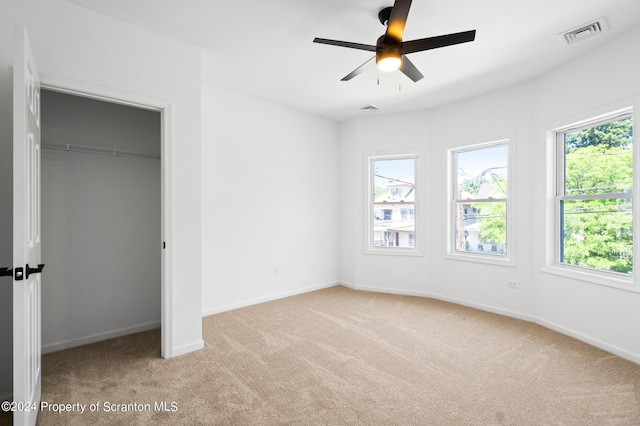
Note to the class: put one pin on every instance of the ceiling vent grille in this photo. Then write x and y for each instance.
(369, 108)
(583, 32)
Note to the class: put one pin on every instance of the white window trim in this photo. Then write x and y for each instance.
(417, 250)
(450, 252)
(552, 216)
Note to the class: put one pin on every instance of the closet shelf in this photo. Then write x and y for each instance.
(99, 150)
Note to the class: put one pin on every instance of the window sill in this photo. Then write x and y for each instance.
(395, 251)
(593, 277)
(482, 258)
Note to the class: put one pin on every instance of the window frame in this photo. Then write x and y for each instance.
(370, 248)
(509, 259)
(555, 196)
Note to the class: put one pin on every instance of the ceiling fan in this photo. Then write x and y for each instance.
(391, 51)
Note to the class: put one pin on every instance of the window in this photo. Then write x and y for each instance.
(392, 204)
(407, 215)
(396, 193)
(479, 201)
(593, 195)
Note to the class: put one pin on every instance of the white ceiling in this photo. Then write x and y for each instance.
(264, 48)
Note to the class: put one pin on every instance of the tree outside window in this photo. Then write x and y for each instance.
(594, 195)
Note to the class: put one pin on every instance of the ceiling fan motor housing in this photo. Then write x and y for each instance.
(387, 47)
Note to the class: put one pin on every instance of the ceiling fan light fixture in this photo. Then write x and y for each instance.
(388, 61)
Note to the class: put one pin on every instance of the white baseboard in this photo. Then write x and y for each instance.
(525, 317)
(182, 350)
(487, 308)
(593, 342)
(80, 341)
(269, 298)
(385, 290)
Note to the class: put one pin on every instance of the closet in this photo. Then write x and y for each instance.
(101, 220)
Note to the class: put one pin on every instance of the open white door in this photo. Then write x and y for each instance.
(26, 232)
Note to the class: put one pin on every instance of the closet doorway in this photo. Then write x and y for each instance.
(101, 219)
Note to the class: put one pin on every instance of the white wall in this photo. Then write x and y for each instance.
(430, 133)
(75, 45)
(597, 83)
(604, 316)
(269, 198)
(101, 226)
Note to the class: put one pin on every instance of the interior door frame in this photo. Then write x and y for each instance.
(86, 90)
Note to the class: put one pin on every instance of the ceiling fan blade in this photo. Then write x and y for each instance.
(398, 19)
(419, 45)
(410, 70)
(348, 44)
(358, 70)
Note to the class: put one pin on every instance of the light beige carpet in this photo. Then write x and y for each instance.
(342, 357)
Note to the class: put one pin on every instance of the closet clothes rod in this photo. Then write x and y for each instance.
(99, 150)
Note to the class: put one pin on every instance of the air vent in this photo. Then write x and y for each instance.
(583, 32)
(369, 108)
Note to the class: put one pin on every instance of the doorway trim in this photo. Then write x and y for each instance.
(107, 94)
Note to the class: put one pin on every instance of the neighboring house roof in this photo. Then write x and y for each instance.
(402, 228)
(474, 227)
(407, 193)
(486, 190)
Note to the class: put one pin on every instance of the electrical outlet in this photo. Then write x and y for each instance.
(513, 284)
